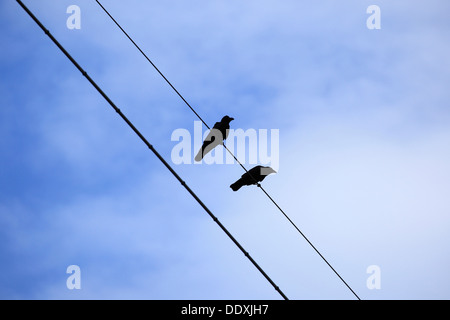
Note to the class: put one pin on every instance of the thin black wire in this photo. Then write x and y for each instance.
(138, 133)
(243, 167)
(154, 66)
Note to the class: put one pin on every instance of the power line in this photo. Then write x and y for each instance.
(154, 66)
(139, 134)
(243, 167)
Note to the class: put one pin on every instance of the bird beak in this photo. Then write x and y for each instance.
(265, 171)
(231, 119)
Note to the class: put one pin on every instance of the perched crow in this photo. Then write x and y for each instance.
(253, 176)
(215, 137)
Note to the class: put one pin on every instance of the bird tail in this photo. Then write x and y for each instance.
(237, 185)
(206, 147)
(201, 153)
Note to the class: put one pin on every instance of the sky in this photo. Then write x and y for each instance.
(364, 150)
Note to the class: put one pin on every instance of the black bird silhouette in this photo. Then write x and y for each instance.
(253, 176)
(215, 137)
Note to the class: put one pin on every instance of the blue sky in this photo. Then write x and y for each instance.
(363, 117)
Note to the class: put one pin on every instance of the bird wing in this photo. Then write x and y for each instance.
(212, 135)
(213, 139)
